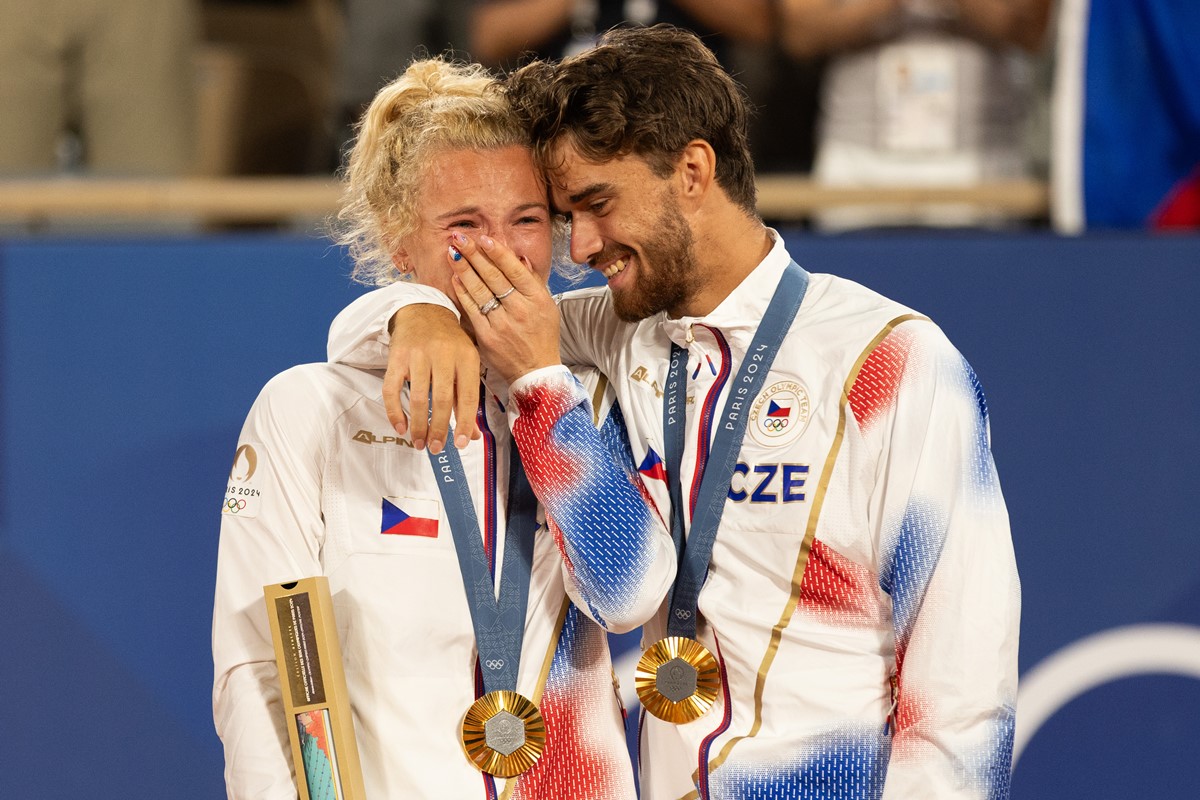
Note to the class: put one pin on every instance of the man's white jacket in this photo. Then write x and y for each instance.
(862, 596)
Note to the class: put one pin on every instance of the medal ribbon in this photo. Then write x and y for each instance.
(731, 429)
(499, 623)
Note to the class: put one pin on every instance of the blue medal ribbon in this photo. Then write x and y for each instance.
(694, 555)
(499, 623)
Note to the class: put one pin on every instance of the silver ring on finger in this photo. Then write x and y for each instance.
(503, 295)
(489, 306)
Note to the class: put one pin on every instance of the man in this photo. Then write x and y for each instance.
(860, 601)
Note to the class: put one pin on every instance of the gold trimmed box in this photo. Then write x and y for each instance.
(315, 701)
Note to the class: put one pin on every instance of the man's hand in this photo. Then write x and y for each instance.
(507, 305)
(431, 351)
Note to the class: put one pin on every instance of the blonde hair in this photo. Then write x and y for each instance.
(435, 105)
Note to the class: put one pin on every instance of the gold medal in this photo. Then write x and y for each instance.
(503, 733)
(677, 679)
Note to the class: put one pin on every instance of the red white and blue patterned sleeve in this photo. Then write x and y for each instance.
(616, 550)
(947, 562)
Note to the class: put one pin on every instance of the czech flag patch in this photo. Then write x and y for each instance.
(652, 466)
(409, 516)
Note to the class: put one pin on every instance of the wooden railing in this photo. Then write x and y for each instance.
(794, 197)
(210, 201)
(285, 200)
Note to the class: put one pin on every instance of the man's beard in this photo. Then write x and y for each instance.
(667, 272)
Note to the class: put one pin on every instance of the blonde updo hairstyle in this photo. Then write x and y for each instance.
(436, 105)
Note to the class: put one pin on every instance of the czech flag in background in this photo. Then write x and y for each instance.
(1126, 114)
(652, 466)
(409, 516)
(776, 410)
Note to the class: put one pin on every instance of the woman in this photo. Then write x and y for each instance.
(439, 163)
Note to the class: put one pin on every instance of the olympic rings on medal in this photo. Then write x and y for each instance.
(494, 663)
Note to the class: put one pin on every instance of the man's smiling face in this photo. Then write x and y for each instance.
(626, 222)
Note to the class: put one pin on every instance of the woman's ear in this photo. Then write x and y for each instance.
(400, 260)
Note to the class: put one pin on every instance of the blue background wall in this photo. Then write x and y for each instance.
(126, 369)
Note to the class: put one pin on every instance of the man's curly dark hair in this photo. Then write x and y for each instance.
(642, 91)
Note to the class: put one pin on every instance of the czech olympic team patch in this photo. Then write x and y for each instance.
(780, 414)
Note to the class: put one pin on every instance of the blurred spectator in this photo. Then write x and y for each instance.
(284, 81)
(116, 73)
(506, 33)
(783, 90)
(382, 36)
(269, 85)
(501, 31)
(919, 92)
